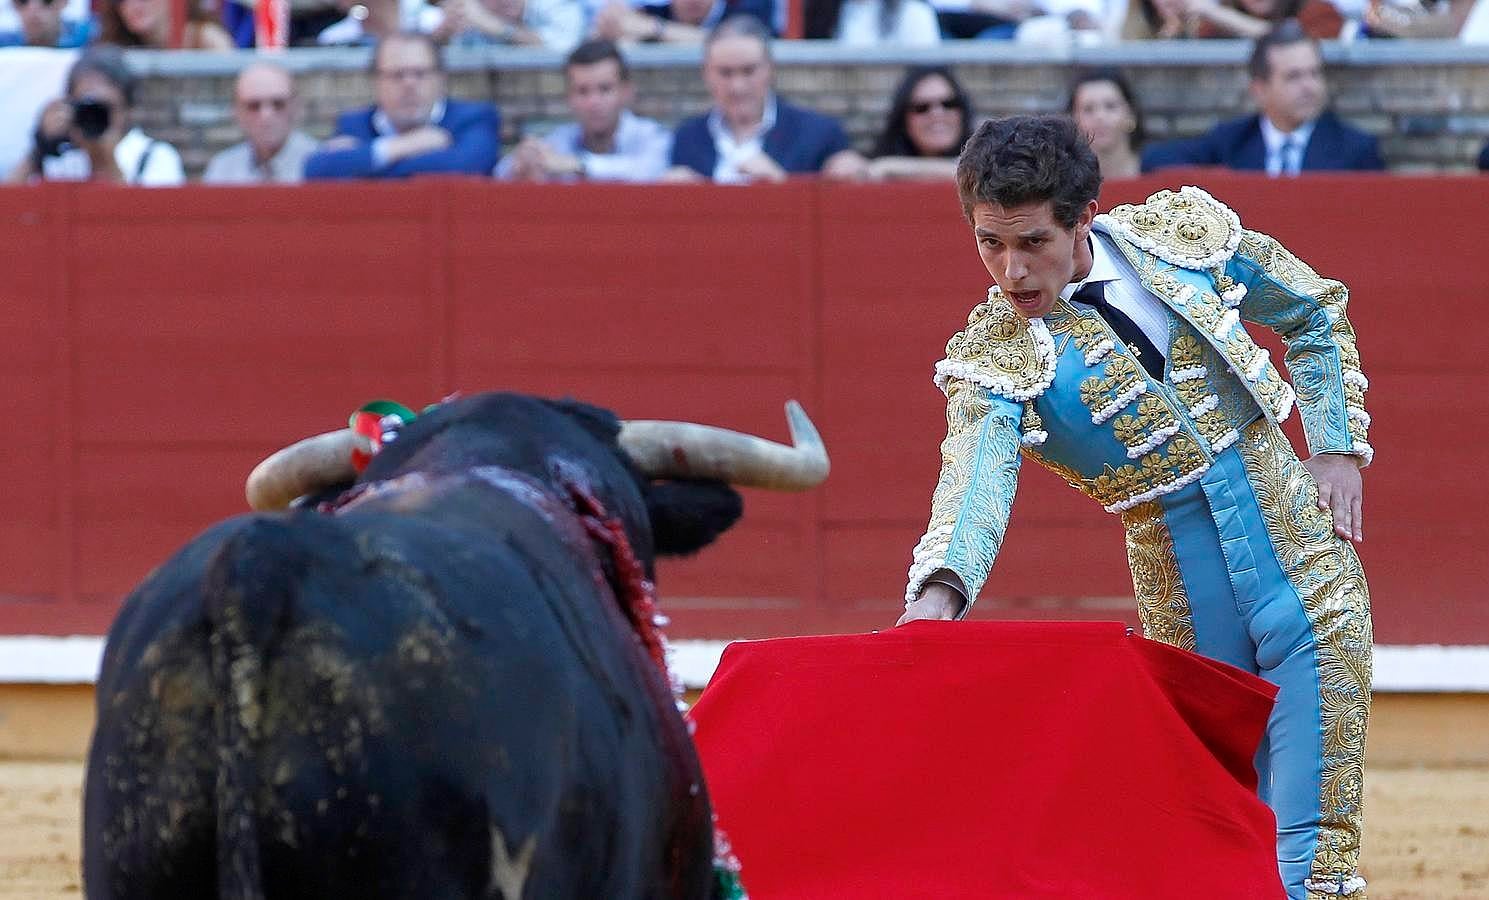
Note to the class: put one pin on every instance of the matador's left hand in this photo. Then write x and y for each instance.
(1339, 491)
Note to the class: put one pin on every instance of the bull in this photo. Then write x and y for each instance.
(437, 679)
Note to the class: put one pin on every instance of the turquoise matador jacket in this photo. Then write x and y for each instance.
(1230, 554)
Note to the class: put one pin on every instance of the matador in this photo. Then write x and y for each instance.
(1111, 350)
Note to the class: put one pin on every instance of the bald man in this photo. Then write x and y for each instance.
(267, 108)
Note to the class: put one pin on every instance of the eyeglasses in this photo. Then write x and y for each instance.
(412, 73)
(949, 103)
(277, 104)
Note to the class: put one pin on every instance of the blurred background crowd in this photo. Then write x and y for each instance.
(88, 128)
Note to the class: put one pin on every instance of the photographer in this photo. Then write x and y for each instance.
(88, 136)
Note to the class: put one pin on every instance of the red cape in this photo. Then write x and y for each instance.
(988, 760)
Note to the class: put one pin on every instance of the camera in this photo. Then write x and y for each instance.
(91, 117)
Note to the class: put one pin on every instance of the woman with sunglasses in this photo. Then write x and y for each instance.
(929, 120)
(148, 23)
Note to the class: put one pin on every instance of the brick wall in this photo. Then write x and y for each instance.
(1429, 103)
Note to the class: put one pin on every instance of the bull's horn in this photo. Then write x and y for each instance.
(304, 467)
(688, 450)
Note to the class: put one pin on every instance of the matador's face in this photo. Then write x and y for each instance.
(1030, 255)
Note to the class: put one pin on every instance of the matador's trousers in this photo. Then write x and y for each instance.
(1242, 566)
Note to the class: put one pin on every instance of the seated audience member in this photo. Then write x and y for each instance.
(414, 128)
(554, 24)
(1412, 20)
(267, 109)
(1105, 110)
(929, 120)
(1484, 158)
(1292, 132)
(368, 22)
(751, 134)
(1252, 19)
(149, 23)
(1003, 19)
(866, 22)
(42, 25)
(673, 21)
(606, 142)
(89, 136)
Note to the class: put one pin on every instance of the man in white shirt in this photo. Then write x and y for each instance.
(266, 107)
(606, 142)
(88, 135)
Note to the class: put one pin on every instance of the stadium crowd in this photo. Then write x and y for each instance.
(750, 133)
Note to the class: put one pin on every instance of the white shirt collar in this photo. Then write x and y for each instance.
(1103, 267)
(1274, 136)
(721, 132)
(384, 126)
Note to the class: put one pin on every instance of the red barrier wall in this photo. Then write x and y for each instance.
(158, 343)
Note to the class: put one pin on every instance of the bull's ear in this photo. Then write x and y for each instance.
(686, 516)
(600, 422)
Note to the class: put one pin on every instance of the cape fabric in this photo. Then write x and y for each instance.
(988, 760)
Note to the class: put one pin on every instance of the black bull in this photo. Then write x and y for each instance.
(434, 693)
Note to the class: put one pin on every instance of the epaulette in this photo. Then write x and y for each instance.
(999, 349)
(1189, 229)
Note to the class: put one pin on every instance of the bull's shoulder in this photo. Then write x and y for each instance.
(1187, 228)
(1000, 350)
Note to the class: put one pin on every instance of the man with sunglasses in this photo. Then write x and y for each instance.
(42, 25)
(266, 107)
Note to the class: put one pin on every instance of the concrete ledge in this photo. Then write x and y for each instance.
(1429, 668)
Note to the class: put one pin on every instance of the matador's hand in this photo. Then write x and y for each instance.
(1339, 491)
(936, 601)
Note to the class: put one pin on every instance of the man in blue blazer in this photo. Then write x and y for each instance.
(414, 128)
(751, 134)
(1292, 131)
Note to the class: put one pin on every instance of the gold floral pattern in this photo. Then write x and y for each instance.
(1328, 577)
(1126, 486)
(1153, 424)
(1162, 602)
(1107, 394)
(1001, 350)
(1187, 228)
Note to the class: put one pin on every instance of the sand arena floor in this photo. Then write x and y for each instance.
(1427, 833)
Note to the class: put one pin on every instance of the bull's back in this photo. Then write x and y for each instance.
(384, 706)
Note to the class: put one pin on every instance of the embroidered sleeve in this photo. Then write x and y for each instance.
(979, 471)
(1278, 290)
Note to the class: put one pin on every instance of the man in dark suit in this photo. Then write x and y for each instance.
(414, 128)
(1292, 131)
(751, 134)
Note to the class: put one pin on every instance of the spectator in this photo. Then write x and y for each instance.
(1484, 159)
(370, 21)
(1252, 19)
(1441, 19)
(149, 23)
(673, 21)
(414, 128)
(867, 22)
(267, 108)
(554, 24)
(42, 25)
(751, 134)
(1002, 19)
(1105, 110)
(607, 142)
(88, 135)
(929, 120)
(1292, 132)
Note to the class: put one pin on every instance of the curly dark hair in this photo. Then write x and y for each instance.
(895, 139)
(1029, 159)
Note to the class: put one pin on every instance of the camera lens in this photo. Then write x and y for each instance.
(91, 117)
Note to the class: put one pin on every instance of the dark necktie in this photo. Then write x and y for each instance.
(1093, 294)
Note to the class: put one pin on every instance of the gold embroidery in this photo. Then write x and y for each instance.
(1154, 471)
(1099, 392)
(1187, 228)
(997, 341)
(1162, 603)
(1153, 415)
(1327, 575)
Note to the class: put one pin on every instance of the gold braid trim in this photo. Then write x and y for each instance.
(1162, 603)
(1327, 575)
